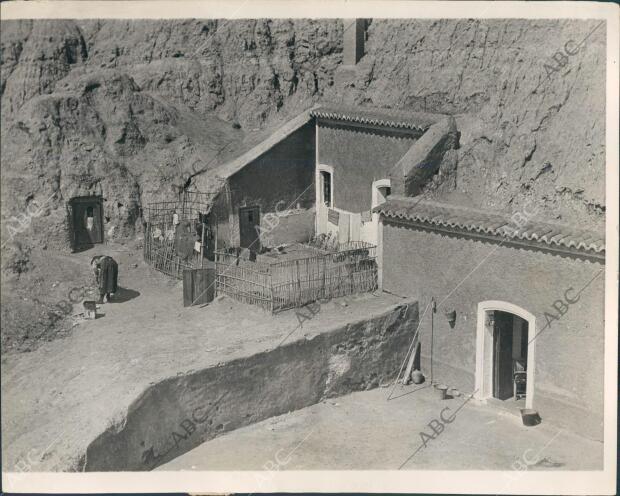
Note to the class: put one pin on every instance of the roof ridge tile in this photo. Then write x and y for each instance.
(475, 220)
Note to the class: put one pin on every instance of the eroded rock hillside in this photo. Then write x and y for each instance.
(137, 110)
(134, 109)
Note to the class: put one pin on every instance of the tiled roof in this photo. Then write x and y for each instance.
(418, 121)
(481, 222)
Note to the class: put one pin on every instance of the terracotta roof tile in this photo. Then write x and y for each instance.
(473, 220)
(419, 121)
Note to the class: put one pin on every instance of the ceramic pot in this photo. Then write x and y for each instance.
(417, 377)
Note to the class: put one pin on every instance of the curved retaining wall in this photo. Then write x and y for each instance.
(178, 414)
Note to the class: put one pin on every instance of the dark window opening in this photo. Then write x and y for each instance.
(382, 194)
(326, 181)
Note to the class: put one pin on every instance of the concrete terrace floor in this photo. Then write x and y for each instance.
(363, 431)
(61, 396)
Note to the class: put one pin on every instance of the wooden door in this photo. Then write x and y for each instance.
(502, 356)
(198, 286)
(249, 221)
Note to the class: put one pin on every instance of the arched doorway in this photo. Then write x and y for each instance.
(381, 190)
(504, 355)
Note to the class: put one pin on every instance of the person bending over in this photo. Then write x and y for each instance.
(105, 269)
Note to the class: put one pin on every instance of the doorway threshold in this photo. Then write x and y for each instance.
(509, 405)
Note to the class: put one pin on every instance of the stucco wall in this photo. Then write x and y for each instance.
(281, 183)
(569, 353)
(359, 157)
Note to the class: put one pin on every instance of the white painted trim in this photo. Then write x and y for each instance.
(317, 227)
(321, 210)
(381, 183)
(380, 253)
(325, 168)
(484, 350)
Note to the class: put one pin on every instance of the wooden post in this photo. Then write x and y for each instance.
(215, 255)
(202, 243)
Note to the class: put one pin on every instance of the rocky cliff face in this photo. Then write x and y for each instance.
(133, 109)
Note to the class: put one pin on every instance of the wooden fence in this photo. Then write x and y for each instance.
(161, 231)
(281, 285)
(161, 255)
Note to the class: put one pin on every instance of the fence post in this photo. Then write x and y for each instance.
(271, 302)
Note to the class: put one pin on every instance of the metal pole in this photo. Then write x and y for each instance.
(433, 309)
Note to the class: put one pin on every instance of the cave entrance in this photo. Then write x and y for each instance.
(86, 216)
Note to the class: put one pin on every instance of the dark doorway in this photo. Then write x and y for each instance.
(86, 221)
(249, 222)
(509, 355)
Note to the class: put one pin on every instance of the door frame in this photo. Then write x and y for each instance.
(74, 222)
(320, 211)
(485, 349)
(240, 213)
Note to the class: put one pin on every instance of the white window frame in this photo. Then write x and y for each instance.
(319, 184)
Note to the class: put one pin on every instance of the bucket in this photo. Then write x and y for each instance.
(90, 309)
(442, 389)
(530, 417)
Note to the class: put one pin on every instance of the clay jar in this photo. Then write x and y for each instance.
(417, 377)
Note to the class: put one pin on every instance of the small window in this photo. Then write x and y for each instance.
(326, 190)
(385, 192)
(90, 212)
(380, 195)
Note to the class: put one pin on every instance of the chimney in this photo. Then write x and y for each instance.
(354, 35)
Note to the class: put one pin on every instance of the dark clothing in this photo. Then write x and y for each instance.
(107, 276)
(184, 240)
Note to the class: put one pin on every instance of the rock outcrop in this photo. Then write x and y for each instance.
(134, 109)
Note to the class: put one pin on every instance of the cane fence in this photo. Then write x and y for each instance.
(161, 236)
(160, 253)
(280, 285)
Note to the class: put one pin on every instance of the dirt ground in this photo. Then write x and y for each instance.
(58, 397)
(43, 303)
(364, 431)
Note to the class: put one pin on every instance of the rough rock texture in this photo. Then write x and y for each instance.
(137, 110)
(134, 110)
(522, 137)
(121, 91)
